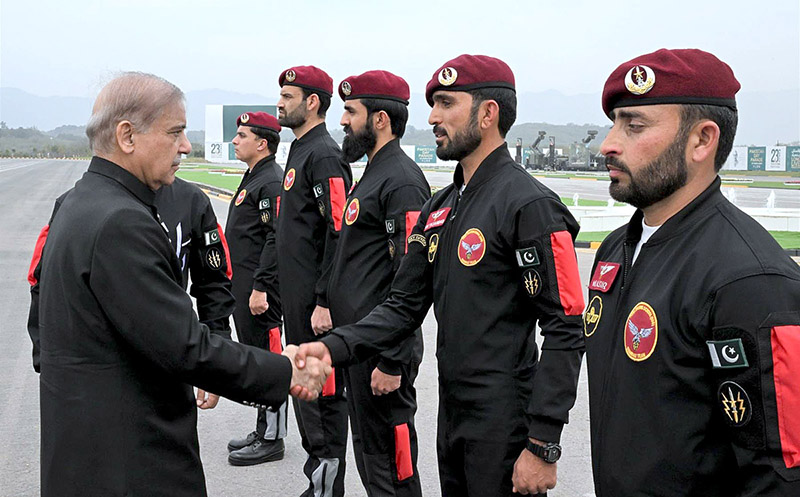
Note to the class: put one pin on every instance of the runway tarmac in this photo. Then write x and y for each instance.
(28, 189)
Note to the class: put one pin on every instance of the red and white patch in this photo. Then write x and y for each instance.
(288, 180)
(240, 197)
(471, 247)
(641, 332)
(351, 214)
(436, 218)
(604, 275)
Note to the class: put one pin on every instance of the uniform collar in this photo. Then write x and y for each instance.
(710, 197)
(386, 151)
(260, 164)
(491, 165)
(122, 176)
(315, 132)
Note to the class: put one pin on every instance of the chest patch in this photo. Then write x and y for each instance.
(351, 214)
(471, 247)
(240, 197)
(592, 315)
(288, 181)
(641, 332)
(604, 275)
(436, 218)
(735, 404)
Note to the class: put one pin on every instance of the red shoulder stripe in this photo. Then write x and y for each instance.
(228, 266)
(567, 276)
(411, 221)
(786, 373)
(337, 201)
(37, 254)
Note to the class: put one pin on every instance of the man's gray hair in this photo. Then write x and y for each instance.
(132, 96)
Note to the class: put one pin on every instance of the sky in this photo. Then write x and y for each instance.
(71, 48)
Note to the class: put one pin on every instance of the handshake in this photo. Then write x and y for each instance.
(311, 366)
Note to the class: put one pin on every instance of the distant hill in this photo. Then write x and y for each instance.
(765, 117)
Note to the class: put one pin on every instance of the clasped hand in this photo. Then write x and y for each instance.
(308, 376)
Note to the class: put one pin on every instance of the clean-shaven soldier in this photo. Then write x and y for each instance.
(250, 231)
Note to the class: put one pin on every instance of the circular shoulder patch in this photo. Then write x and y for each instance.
(351, 214)
(288, 180)
(592, 315)
(735, 404)
(532, 282)
(641, 332)
(471, 247)
(214, 258)
(640, 79)
(240, 197)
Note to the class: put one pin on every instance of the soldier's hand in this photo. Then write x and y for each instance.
(206, 400)
(383, 383)
(308, 379)
(532, 475)
(258, 303)
(321, 320)
(312, 349)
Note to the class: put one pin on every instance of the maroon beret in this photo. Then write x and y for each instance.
(259, 120)
(687, 76)
(308, 77)
(375, 84)
(470, 72)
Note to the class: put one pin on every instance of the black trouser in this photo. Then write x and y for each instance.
(475, 468)
(264, 333)
(384, 435)
(323, 422)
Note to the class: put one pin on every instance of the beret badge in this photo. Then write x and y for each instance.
(640, 79)
(448, 76)
(244, 117)
(346, 88)
(290, 75)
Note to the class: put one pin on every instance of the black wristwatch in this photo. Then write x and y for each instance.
(549, 453)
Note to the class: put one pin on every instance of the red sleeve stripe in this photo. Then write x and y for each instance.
(786, 374)
(275, 344)
(277, 206)
(402, 452)
(228, 265)
(567, 276)
(329, 388)
(337, 201)
(411, 221)
(37, 254)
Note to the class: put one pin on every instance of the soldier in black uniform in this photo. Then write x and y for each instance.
(693, 323)
(382, 208)
(315, 184)
(120, 344)
(494, 253)
(250, 230)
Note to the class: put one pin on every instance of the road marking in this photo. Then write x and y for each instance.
(20, 167)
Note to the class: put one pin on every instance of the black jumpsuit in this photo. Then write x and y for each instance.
(382, 208)
(250, 232)
(315, 184)
(121, 346)
(495, 260)
(692, 352)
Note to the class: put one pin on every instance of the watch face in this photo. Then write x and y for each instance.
(553, 453)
